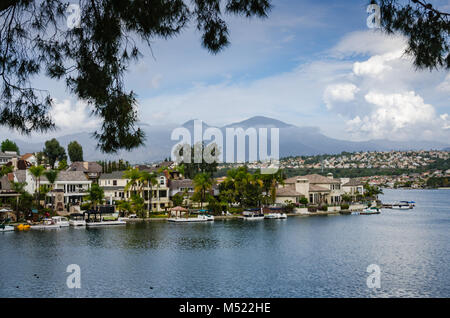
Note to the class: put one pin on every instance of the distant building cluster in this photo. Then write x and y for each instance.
(367, 160)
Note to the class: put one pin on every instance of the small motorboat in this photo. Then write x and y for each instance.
(77, 219)
(61, 221)
(276, 216)
(411, 204)
(199, 218)
(371, 210)
(47, 224)
(251, 215)
(401, 206)
(6, 228)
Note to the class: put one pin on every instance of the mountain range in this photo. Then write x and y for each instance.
(294, 141)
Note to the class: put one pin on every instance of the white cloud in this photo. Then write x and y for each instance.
(445, 85)
(371, 42)
(339, 93)
(70, 118)
(156, 81)
(377, 65)
(399, 114)
(390, 102)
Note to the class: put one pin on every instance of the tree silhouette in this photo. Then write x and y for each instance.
(92, 58)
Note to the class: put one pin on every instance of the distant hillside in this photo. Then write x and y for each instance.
(293, 141)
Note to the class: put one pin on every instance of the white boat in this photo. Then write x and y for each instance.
(77, 219)
(6, 228)
(61, 221)
(411, 204)
(401, 206)
(199, 218)
(276, 216)
(103, 223)
(47, 224)
(252, 216)
(371, 210)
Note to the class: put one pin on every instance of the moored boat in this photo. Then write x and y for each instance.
(47, 224)
(253, 215)
(275, 216)
(401, 206)
(104, 223)
(103, 216)
(371, 210)
(199, 218)
(6, 228)
(61, 221)
(77, 219)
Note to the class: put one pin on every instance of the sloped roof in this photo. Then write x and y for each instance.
(81, 166)
(21, 175)
(287, 191)
(313, 178)
(27, 155)
(353, 183)
(112, 175)
(68, 176)
(184, 183)
(317, 188)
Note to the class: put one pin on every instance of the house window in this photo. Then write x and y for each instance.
(115, 182)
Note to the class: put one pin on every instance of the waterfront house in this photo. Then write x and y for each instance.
(316, 188)
(114, 185)
(70, 188)
(352, 187)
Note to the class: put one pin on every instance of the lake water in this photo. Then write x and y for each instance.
(297, 257)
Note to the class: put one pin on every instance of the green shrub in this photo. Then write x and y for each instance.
(303, 201)
(345, 206)
(85, 206)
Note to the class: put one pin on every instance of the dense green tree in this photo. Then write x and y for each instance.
(62, 165)
(242, 187)
(203, 183)
(37, 172)
(75, 151)
(93, 56)
(95, 195)
(18, 187)
(426, 29)
(54, 152)
(197, 163)
(8, 145)
(51, 176)
(149, 180)
(5, 170)
(177, 199)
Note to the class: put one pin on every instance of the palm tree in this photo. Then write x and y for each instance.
(51, 176)
(95, 195)
(133, 175)
(202, 184)
(37, 172)
(19, 188)
(124, 206)
(148, 179)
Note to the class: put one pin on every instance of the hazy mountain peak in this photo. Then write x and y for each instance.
(260, 121)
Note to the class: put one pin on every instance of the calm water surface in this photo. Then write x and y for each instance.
(298, 257)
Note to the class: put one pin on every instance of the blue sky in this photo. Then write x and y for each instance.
(310, 63)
